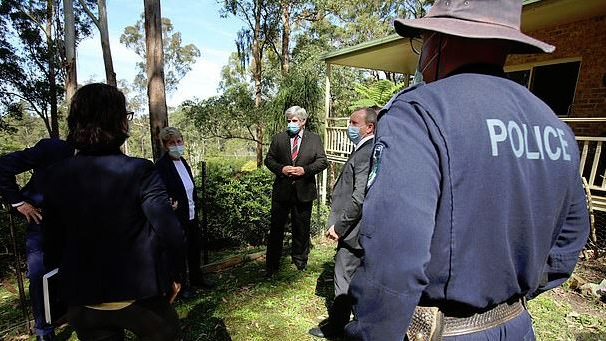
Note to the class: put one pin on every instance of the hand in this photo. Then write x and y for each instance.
(30, 212)
(332, 234)
(297, 171)
(286, 170)
(176, 288)
(174, 204)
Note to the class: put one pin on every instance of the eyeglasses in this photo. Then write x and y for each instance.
(130, 115)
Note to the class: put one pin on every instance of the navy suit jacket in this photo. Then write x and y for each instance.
(169, 174)
(109, 227)
(37, 158)
(311, 157)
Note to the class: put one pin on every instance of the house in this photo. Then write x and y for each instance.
(572, 80)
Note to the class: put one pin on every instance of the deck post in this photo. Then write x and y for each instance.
(323, 189)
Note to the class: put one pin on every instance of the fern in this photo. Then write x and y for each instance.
(375, 94)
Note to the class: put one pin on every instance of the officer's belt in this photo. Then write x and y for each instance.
(504, 312)
(429, 323)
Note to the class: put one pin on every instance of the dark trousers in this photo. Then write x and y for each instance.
(300, 217)
(194, 250)
(150, 319)
(346, 262)
(35, 272)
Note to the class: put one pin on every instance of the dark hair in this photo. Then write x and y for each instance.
(97, 118)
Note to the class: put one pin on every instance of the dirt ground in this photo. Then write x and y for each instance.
(589, 270)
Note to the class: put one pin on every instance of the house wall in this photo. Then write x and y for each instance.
(585, 39)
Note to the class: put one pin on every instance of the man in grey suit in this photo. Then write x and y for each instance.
(344, 220)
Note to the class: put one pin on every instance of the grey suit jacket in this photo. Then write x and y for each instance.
(348, 195)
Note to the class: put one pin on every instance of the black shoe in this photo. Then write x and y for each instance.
(327, 331)
(203, 283)
(47, 337)
(269, 273)
(187, 293)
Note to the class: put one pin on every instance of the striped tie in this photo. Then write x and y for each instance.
(295, 148)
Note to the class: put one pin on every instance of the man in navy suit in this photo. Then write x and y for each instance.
(27, 202)
(295, 156)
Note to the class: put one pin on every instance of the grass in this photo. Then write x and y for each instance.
(245, 306)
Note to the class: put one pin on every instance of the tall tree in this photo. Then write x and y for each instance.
(51, 60)
(178, 58)
(101, 23)
(262, 19)
(156, 93)
(71, 78)
(30, 54)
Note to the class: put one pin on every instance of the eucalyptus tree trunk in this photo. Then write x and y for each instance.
(50, 12)
(285, 7)
(101, 23)
(110, 75)
(258, 60)
(156, 93)
(71, 80)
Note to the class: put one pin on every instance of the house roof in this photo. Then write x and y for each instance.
(394, 54)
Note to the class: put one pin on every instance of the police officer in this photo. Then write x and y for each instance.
(474, 200)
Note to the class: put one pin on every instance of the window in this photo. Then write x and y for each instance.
(554, 83)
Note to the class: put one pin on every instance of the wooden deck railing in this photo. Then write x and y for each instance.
(338, 146)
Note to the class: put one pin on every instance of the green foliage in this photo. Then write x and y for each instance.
(231, 115)
(299, 87)
(178, 58)
(376, 94)
(238, 204)
(7, 257)
(26, 54)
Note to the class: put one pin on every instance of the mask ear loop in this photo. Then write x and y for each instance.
(439, 58)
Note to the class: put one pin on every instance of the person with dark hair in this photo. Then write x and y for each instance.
(474, 201)
(344, 220)
(110, 229)
(179, 181)
(295, 156)
(28, 202)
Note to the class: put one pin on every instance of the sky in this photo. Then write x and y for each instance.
(199, 22)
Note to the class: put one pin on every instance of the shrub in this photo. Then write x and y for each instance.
(238, 202)
(238, 205)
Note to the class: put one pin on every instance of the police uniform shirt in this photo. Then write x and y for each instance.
(474, 197)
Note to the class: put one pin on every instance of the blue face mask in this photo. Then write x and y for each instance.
(175, 151)
(292, 128)
(354, 134)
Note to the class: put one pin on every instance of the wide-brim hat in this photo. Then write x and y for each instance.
(479, 19)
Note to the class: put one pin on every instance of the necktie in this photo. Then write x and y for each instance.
(295, 148)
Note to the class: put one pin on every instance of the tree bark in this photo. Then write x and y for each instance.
(285, 6)
(156, 92)
(110, 75)
(71, 81)
(50, 11)
(101, 23)
(258, 59)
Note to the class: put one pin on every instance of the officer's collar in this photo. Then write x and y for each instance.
(484, 69)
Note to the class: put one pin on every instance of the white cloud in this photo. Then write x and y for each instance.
(90, 59)
(201, 82)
